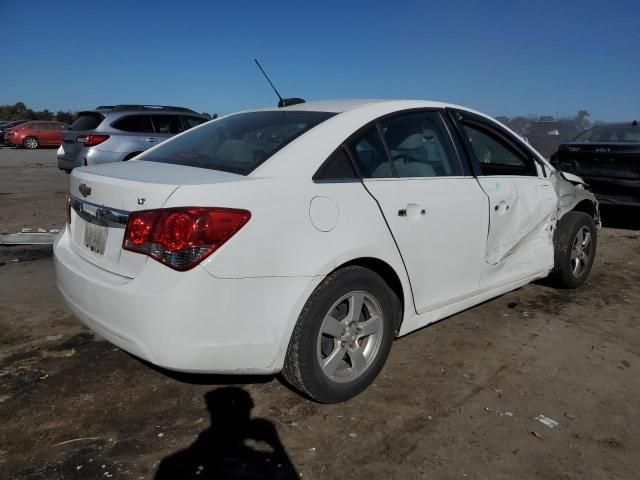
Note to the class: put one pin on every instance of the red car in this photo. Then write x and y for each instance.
(36, 134)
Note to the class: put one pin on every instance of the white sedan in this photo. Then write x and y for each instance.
(305, 239)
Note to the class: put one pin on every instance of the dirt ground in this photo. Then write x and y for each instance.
(456, 400)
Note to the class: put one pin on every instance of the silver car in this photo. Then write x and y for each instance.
(119, 133)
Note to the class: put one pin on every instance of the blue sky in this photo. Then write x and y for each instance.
(501, 57)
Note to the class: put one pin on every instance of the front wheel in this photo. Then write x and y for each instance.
(343, 336)
(31, 143)
(575, 242)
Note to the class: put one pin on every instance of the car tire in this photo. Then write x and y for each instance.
(343, 335)
(575, 241)
(31, 143)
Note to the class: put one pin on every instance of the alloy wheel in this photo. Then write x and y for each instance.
(31, 143)
(580, 251)
(350, 337)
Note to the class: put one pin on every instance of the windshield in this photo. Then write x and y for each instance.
(610, 134)
(237, 143)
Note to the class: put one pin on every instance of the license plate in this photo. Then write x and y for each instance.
(95, 237)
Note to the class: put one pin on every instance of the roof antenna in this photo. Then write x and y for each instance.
(283, 102)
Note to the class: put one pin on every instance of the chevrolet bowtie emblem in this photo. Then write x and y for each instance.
(84, 190)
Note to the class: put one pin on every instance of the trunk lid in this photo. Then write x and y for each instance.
(609, 160)
(103, 195)
(86, 123)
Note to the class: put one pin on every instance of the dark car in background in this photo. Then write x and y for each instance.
(6, 126)
(547, 135)
(607, 157)
(120, 132)
(36, 133)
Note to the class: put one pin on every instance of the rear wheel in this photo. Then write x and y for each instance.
(575, 242)
(343, 336)
(31, 143)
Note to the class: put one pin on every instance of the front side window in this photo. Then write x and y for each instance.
(495, 155)
(237, 143)
(420, 146)
(134, 123)
(167, 124)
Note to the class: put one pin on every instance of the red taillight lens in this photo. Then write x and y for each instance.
(182, 237)
(91, 140)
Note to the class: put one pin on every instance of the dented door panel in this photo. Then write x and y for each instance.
(522, 214)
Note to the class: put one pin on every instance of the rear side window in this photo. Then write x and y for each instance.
(134, 123)
(420, 146)
(167, 124)
(87, 121)
(610, 134)
(337, 167)
(191, 122)
(370, 156)
(237, 143)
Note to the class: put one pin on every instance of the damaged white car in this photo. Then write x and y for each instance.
(305, 239)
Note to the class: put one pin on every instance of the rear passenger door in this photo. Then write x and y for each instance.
(433, 205)
(522, 201)
(137, 134)
(41, 131)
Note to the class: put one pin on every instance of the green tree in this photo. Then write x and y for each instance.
(582, 114)
(65, 117)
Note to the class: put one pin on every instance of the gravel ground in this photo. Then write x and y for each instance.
(456, 400)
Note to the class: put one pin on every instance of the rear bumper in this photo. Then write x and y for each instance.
(85, 156)
(622, 200)
(13, 140)
(615, 191)
(185, 321)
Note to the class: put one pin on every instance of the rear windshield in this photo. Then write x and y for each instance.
(610, 134)
(87, 121)
(238, 143)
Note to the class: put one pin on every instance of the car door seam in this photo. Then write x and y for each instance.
(396, 244)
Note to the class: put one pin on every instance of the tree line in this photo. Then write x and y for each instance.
(20, 111)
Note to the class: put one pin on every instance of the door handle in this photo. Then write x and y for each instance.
(151, 140)
(403, 212)
(502, 207)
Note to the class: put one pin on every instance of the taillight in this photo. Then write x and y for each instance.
(182, 237)
(91, 140)
(67, 205)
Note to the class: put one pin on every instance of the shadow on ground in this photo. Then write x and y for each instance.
(234, 446)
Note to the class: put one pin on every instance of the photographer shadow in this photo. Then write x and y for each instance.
(234, 446)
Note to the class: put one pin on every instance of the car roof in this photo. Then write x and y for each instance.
(342, 105)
